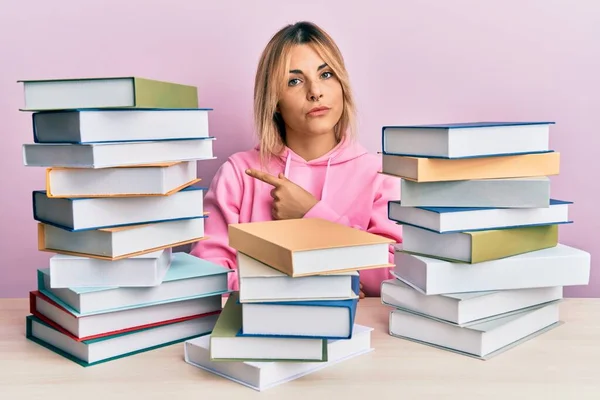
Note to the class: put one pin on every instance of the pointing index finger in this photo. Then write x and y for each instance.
(262, 176)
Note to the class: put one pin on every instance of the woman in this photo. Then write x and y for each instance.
(307, 163)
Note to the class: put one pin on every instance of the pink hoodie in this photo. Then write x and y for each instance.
(345, 180)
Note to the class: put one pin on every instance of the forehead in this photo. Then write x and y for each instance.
(304, 56)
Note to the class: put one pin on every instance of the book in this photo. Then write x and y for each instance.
(421, 169)
(227, 345)
(75, 271)
(464, 309)
(119, 125)
(116, 154)
(471, 139)
(76, 214)
(95, 351)
(460, 219)
(527, 192)
(188, 277)
(132, 181)
(259, 282)
(561, 265)
(331, 319)
(481, 341)
(262, 376)
(310, 246)
(112, 322)
(106, 92)
(478, 246)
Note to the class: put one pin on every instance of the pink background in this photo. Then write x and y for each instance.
(410, 62)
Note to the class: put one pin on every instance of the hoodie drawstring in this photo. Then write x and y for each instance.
(286, 173)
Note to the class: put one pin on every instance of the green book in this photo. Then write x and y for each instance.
(107, 93)
(227, 345)
(478, 246)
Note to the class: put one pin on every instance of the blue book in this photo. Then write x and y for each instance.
(189, 277)
(466, 140)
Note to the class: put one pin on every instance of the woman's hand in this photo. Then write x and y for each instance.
(361, 293)
(289, 199)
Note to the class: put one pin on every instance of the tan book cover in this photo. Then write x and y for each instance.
(284, 244)
(421, 169)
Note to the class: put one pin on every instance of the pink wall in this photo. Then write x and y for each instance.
(410, 62)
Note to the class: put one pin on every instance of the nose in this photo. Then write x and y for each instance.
(314, 92)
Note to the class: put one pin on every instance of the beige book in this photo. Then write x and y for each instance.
(310, 246)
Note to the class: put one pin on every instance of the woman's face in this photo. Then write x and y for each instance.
(312, 101)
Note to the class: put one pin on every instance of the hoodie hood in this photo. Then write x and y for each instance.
(344, 151)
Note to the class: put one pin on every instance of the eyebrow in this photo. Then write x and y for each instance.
(298, 71)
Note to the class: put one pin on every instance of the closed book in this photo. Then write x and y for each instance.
(556, 266)
(527, 192)
(106, 92)
(97, 126)
(227, 345)
(421, 169)
(460, 219)
(478, 246)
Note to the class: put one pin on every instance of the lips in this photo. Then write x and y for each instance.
(318, 111)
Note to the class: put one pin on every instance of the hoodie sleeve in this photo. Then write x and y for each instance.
(388, 189)
(222, 203)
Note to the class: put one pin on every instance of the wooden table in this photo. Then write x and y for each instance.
(561, 364)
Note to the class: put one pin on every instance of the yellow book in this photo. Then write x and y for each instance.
(478, 246)
(421, 169)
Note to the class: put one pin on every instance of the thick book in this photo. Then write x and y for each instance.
(259, 282)
(116, 154)
(227, 345)
(188, 277)
(99, 325)
(421, 169)
(98, 126)
(556, 266)
(133, 181)
(330, 319)
(76, 214)
(95, 351)
(261, 376)
(460, 219)
(310, 246)
(482, 341)
(119, 243)
(139, 271)
(464, 309)
(527, 192)
(463, 140)
(106, 92)
(478, 246)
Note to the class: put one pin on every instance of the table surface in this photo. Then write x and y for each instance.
(563, 363)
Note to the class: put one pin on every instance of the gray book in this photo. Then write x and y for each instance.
(531, 192)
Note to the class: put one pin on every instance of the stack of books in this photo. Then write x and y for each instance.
(295, 309)
(481, 268)
(120, 157)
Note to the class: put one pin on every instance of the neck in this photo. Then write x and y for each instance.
(311, 147)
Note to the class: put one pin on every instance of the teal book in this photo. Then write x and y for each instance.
(188, 277)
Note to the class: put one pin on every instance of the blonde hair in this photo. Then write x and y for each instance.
(271, 77)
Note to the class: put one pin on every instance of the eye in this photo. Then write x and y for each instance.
(327, 74)
(293, 82)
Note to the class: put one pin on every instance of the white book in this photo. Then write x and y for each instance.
(116, 154)
(464, 309)
(188, 277)
(457, 219)
(481, 341)
(108, 212)
(87, 353)
(138, 271)
(472, 139)
(119, 243)
(259, 282)
(556, 266)
(105, 324)
(527, 192)
(143, 180)
(265, 375)
(119, 125)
